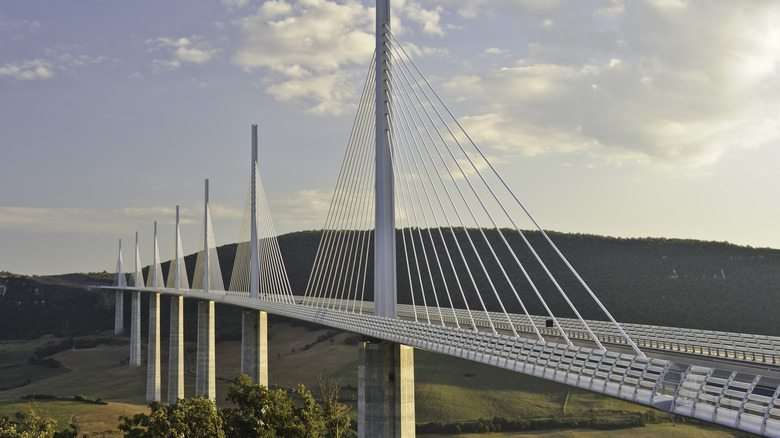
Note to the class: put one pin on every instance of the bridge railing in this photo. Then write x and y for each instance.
(744, 401)
(744, 347)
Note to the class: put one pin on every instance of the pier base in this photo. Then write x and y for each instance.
(385, 390)
(254, 346)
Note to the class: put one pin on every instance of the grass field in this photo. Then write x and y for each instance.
(92, 420)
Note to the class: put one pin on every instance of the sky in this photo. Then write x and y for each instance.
(631, 119)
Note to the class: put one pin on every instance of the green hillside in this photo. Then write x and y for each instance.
(672, 282)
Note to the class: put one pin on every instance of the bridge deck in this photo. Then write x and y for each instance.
(743, 401)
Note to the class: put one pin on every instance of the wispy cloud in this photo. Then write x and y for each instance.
(306, 208)
(57, 220)
(28, 70)
(429, 20)
(192, 50)
(38, 220)
(15, 24)
(234, 3)
(49, 66)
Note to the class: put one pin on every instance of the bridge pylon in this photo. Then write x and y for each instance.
(205, 373)
(177, 275)
(153, 380)
(385, 369)
(254, 326)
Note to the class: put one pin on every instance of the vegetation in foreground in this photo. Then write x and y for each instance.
(33, 424)
(258, 412)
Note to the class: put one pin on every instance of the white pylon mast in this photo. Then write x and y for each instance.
(206, 240)
(139, 278)
(155, 260)
(176, 254)
(121, 281)
(254, 250)
(384, 214)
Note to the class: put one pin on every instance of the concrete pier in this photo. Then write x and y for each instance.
(205, 374)
(254, 346)
(153, 358)
(385, 390)
(135, 330)
(176, 351)
(119, 313)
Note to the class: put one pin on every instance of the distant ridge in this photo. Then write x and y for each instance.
(671, 282)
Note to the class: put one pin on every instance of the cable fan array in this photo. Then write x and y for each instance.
(462, 258)
(273, 282)
(272, 276)
(208, 273)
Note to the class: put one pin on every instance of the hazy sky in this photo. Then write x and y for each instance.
(637, 118)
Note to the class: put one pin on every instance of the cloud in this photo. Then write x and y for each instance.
(181, 50)
(30, 25)
(495, 51)
(37, 220)
(315, 51)
(662, 83)
(28, 70)
(234, 3)
(428, 19)
(219, 211)
(327, 93)
(316, 36)
(57, 220)
(49, 66)
(307, 208)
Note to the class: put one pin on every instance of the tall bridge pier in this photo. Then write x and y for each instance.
(254, 346)
(385, 390)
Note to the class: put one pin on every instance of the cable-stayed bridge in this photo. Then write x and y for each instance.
(424, 247)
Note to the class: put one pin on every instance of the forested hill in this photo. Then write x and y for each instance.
(672, 282)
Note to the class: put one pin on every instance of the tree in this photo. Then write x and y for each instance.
(335, 415)
(193, 417)
(259, 412)
(263, 412)
(32, 425)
